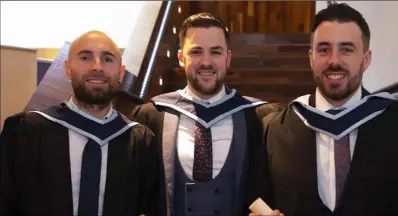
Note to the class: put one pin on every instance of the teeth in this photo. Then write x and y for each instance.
(206, 73)
(335, 76)
(96, 81)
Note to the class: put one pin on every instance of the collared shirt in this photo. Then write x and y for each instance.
(221, 137)
(325, 152)
(77, 142)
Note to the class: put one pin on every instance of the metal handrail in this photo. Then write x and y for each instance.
(393, 88)
(149, 70)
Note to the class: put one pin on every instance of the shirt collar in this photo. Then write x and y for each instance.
(109, 116)
(215, 98)
(323, 105)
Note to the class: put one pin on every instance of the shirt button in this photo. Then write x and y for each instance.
(216, 191)
(189, 209)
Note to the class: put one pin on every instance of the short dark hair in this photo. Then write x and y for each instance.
(201, 20)
(342, 12)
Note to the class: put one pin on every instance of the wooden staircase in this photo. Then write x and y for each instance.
(274, 68)
(270, 65)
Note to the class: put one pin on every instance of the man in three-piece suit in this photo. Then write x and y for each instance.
(209, 135)
(334, 152)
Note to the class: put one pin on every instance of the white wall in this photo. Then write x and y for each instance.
(42, 24)
(382, 17)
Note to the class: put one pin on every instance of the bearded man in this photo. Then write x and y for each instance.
(80, 157)
(209, 135)
(334, 152)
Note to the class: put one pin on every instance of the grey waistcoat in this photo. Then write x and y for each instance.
(222, 195)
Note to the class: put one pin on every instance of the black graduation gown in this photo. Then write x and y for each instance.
(371, 186)
(256, 180)
(36, 178)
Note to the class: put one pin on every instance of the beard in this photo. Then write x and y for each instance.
(336, 92)
(206, 90)
(99, 96)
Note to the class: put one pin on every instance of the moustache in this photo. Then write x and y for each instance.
(208, 69)
(205, 67)
(96, 76)
(335, 68)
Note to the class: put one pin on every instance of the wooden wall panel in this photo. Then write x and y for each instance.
(261, 16)
(18, 79)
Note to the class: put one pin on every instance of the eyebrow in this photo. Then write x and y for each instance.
(347, 43)
(91, 52)
(212, 48)
(217, 48)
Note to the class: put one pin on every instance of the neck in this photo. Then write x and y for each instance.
(98, 111)
(204, 96)
(340, 103)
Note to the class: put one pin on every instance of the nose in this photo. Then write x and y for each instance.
(334, 57)
(97, 64)
(206, 59)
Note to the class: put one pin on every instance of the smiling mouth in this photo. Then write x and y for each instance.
(96, 81)
(206, 73)
(335, 76)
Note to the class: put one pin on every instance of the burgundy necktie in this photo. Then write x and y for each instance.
(342, 160)
(203, 157)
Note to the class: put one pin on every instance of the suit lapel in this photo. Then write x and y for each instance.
(170, 126)
(56, 168)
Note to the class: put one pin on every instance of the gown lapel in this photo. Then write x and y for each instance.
(56, 169)
(306, 160)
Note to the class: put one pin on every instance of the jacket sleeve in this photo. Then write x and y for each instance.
(9, 142)
(152, 184)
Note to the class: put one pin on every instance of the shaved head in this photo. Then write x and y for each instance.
(95, 68)
(94, 34)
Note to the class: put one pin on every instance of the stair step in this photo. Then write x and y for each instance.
(256, 38)
(255, 61)
(270, 38)
(252, 49)
(260, 77)
(270, 61)
(258, 71)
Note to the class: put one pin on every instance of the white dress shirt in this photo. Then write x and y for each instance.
(77, 142)
(325, 152)
(221, 133)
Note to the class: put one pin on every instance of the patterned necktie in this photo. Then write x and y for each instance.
(342, 159)
(203, 157)
(90, 179)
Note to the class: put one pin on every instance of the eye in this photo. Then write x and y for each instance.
(323, 50)
(195, 52)
(215, 52)
(108, 59)
(85, 58)
(346, 50)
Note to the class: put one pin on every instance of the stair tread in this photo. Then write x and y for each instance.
(298, 70)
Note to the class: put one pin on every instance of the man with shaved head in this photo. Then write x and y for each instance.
(80, 157)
